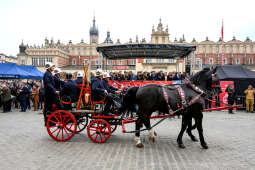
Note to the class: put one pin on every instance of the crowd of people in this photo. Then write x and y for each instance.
(21, 95)
(143, 76)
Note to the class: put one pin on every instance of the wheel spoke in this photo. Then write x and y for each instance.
(58, 133)
(62, 134)
(93, 134)
(56, 118)
(96, 137)
(66, 132)
(52, 121)
(54, 129)
(101, 137)
(72, 130)
(68, 120)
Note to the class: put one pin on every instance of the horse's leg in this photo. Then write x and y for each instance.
(138, 125)
(151, 131)
(189, 130)
(183, 128)
(198, 121)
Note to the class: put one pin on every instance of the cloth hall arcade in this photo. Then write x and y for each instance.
(69, 57)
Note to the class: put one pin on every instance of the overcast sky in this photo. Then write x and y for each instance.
(33, 20)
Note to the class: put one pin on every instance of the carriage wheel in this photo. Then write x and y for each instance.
(82, 124)
(61, 125)
(99, 131)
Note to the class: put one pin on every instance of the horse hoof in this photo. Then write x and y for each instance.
(194, 139)
(181, 146)
(152, 139)
(205, 146)
(139, 145)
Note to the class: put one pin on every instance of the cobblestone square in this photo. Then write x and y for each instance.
(25, 144)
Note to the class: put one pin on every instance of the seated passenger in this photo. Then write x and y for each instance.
(70, 88)
(107, 86)
(99, 93)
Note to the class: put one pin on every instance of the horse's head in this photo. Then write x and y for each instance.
(207, 80)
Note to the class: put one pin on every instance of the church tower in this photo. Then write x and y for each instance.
(93, 32)
(160, 36)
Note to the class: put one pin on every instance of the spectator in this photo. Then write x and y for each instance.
(23, 92)
(126, 76)
(169, 77)
(177, 76)
(35, 97)
(6, 98)
(132, 76)
(249, 98)
(231, 97)
(41, 97)
(160, 76)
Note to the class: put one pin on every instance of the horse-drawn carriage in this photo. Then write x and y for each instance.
(65, 121)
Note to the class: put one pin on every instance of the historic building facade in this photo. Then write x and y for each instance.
(7, 59)
(71, 56)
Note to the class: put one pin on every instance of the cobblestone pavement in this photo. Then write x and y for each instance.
(25, 144)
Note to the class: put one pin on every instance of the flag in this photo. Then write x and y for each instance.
(222, 31)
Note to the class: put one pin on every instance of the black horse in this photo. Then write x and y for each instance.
(186, 99)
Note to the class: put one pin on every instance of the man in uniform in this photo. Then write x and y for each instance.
(50, 90)
(58, 83)
(98, 91)
(79, 79)
(70, 88)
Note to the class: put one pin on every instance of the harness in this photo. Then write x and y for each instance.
(182, 96)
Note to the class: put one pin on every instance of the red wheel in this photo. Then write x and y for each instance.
(82, 124)
(61, 125)
(99, 131)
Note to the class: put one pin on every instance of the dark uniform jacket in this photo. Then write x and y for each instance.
(97, 89)
(70, 89)
(58, 83)
(79, 80)
(49, 83)
(108, 87)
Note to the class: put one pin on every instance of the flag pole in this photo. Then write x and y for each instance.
(222, 44)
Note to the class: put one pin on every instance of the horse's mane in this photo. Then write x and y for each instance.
(196, 78)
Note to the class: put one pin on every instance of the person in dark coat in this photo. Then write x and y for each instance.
(79, 79)
(50, 90)
(6, 98)
(107, 86)
(70, 88)
(23, 92)
(98, 91)
(231, 97)
(58, 83)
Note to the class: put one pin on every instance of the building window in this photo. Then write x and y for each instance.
(85, 61)
(171, 60)
(74, 62)
(225, 61)
(23, 62)
(148, 60)
(97, 62)
(211, 61)
(198, 63)
(133, 62)
(120, 62)
(160, 60)
(109, 62)
(237, 61)
(250, 60)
